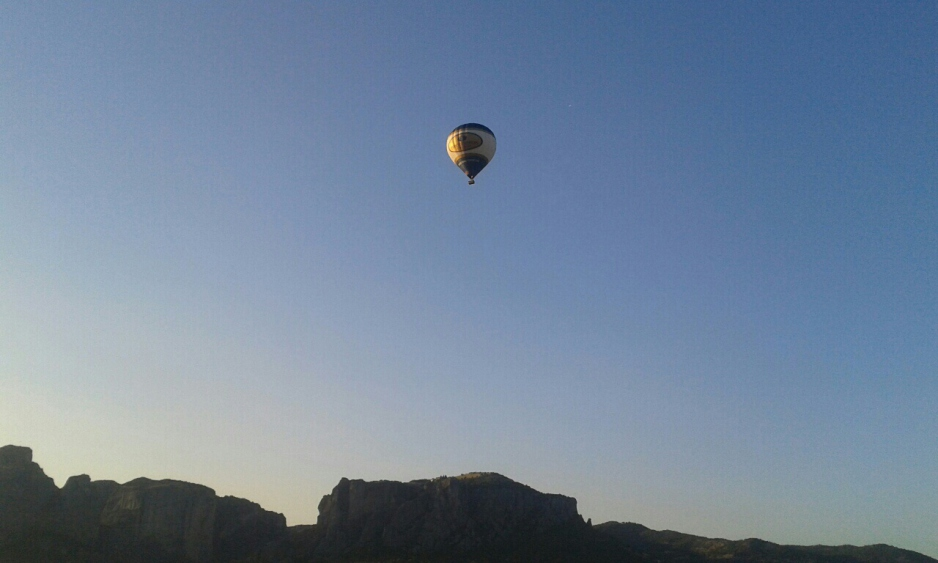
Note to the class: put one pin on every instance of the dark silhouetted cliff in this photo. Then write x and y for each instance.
(470, 514)
(477, 517)
(142, 521)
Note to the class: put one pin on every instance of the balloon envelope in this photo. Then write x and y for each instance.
(471, 147)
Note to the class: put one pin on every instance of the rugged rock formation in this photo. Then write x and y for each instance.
(478, 517)
(82, 502)
(28, 498)
(171, 518)
(143, 521)
(450, 514)
(243, 528)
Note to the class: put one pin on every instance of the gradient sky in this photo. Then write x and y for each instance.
(697, 288)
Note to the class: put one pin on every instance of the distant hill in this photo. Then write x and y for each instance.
(476, 517)
(684, 548)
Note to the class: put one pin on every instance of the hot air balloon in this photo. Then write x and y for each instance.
(471, 147)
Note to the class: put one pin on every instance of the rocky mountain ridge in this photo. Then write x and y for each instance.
(475, 517)
(461, 514)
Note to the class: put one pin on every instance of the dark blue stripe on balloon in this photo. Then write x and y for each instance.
(474, 126)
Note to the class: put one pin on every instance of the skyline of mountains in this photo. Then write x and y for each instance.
(472, 517)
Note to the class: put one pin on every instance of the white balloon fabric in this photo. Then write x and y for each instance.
(471, 147)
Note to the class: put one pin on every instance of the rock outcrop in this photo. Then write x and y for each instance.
(477, 517)
(82, 502)
(28, 498)
(142, 521)
(461, 514)
(172, 518)
(243, 528)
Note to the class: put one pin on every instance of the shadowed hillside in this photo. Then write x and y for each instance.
(684, 548)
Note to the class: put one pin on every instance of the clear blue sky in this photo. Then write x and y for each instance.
(697, 288)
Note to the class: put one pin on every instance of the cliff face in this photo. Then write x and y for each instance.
(449, 514)
(142, 521)
(243, 528)
(169, 517)
(28, 498)
(478, 517)
(83, 501)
